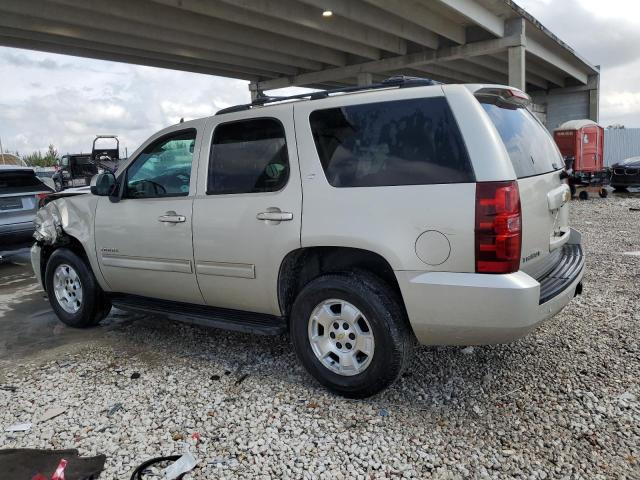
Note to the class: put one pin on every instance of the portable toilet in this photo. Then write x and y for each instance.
(582, 141)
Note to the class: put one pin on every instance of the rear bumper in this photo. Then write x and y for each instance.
(475, 309)
(14, 233)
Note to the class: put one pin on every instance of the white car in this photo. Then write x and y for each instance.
(357, 221)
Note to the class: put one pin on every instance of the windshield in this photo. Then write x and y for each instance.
(530, 146)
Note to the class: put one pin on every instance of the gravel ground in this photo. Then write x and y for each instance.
(564, 402)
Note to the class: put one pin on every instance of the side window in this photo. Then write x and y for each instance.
(163, 169)
(404, 142)
(248, 156)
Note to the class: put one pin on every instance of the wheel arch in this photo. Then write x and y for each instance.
(302, 265)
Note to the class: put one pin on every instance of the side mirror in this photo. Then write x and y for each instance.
(103, 184)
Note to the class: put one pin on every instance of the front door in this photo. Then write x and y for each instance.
(144, 241)
(247, 214)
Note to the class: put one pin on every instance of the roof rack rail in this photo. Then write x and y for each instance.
(399, 81)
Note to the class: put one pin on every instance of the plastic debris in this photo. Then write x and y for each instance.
(52, 413)
(114, 408)
(383, 412)
(184, 464)
(19, 427)
(467, 350)
(242, 378)
(59, 473)
(135, 375)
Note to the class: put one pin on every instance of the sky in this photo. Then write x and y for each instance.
(66, 101)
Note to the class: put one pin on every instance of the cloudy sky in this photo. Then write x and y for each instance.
(47, 98)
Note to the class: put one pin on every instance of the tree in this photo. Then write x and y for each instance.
(36, 159)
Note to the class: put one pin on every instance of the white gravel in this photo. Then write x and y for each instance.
(563, 402)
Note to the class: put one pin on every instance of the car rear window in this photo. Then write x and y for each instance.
(530, 146)
(16, 181)
(404, 142)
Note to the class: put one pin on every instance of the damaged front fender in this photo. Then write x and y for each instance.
(48, 225)
(68, 222)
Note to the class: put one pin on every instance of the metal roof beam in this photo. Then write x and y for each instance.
(171, 18)
(416, 12)
(396, 63)
(137, 58)
(236, 13)
(116, 25)
(291, 14)
(537, 49)
(501, 67)
(375, 17)
(55, 30)
(475, 13)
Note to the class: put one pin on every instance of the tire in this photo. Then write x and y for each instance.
(583, 195)
(381, 312)
(603, 192)
(620, 188)
(74, 293)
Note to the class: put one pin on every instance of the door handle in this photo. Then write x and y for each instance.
(172, 217)
(275, 216)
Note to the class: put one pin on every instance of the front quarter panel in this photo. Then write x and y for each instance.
(76, 218)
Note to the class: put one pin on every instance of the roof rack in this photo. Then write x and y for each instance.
(399, 81)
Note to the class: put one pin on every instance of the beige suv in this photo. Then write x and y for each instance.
(358, 221)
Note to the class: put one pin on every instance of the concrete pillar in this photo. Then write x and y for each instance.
(365, 79)
(253, 91)
(517, 67)
(594, 98)
(517, 54)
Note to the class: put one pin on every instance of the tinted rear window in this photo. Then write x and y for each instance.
(530, 146)
(405, 142)
(20, 182)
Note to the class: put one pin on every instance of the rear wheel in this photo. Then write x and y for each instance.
(351, 333)
(603, 192)
(583, 195)
(73, 292)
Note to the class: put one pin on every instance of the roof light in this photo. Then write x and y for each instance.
(327, 13)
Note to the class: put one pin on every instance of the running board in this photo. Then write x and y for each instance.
(203, 315)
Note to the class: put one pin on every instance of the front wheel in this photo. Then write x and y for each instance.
(351, 333)
(73, 292)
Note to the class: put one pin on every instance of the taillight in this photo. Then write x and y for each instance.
(41, 197)
(498, 227)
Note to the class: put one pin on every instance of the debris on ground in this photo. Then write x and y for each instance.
(242, 378)
(184, 464)
(19, 427)
(468, 350)
(28, 463)
(52, 413)
(113, 409)
(135, 375)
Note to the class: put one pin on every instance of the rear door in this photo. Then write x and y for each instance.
(537, 163)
